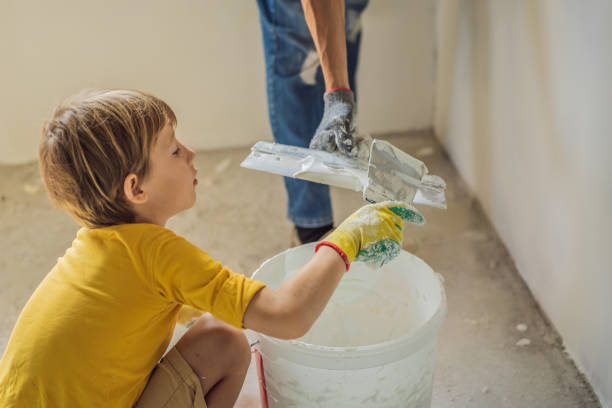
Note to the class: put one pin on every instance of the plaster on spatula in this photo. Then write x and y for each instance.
(387, 174)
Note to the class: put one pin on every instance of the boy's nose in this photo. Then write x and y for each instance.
(191, 155)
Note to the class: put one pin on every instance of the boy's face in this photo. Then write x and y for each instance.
(171, 181)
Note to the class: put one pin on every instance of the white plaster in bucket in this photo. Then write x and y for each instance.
(373, 345)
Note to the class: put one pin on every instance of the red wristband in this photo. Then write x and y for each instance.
(337, 249)
(339, 89)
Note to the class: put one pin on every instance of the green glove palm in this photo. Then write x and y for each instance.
(373, 233)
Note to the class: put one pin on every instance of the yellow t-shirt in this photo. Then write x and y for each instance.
(95, 327)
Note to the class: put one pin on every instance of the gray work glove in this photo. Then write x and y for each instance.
(335, 132)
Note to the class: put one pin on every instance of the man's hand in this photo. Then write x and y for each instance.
(337, 128)
(373, 233)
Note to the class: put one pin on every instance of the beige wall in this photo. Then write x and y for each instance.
(523, 105)
(203, 57)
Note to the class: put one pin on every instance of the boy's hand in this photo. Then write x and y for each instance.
(373, 233)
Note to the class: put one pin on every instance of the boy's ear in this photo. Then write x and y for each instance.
(132, 190)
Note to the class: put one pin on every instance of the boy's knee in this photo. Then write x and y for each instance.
(227, 342)
(234, 343)
(231, 341)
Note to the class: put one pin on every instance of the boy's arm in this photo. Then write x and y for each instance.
(290, 311)
(372, 233)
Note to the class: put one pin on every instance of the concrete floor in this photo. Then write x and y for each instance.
(240, 219)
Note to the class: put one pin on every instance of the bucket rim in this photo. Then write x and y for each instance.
(412, 340)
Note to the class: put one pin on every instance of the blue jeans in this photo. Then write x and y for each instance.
(295, 87)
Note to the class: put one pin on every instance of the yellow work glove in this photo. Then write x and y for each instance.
(373, 233)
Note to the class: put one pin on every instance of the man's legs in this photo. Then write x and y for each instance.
(295, 88)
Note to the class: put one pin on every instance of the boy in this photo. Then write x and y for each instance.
(94, 330)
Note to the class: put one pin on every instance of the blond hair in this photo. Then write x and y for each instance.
(91, 143)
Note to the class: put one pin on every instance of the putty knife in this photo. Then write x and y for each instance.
(386, 174)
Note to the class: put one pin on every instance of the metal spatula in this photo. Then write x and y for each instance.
(387, 174)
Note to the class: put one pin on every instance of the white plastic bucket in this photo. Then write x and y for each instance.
(373, 345)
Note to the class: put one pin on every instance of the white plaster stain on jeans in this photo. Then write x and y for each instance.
(309, 68)
(311, 62)
(353, 23)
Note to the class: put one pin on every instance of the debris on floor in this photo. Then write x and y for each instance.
(522, 327)
(31, 188)
(523, 342)
(425, 151)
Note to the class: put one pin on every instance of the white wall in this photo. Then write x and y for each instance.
(204, 58)
(524, 107)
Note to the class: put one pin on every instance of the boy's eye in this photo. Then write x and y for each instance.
(176, 152)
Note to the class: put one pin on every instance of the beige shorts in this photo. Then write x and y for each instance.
(172, 384)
